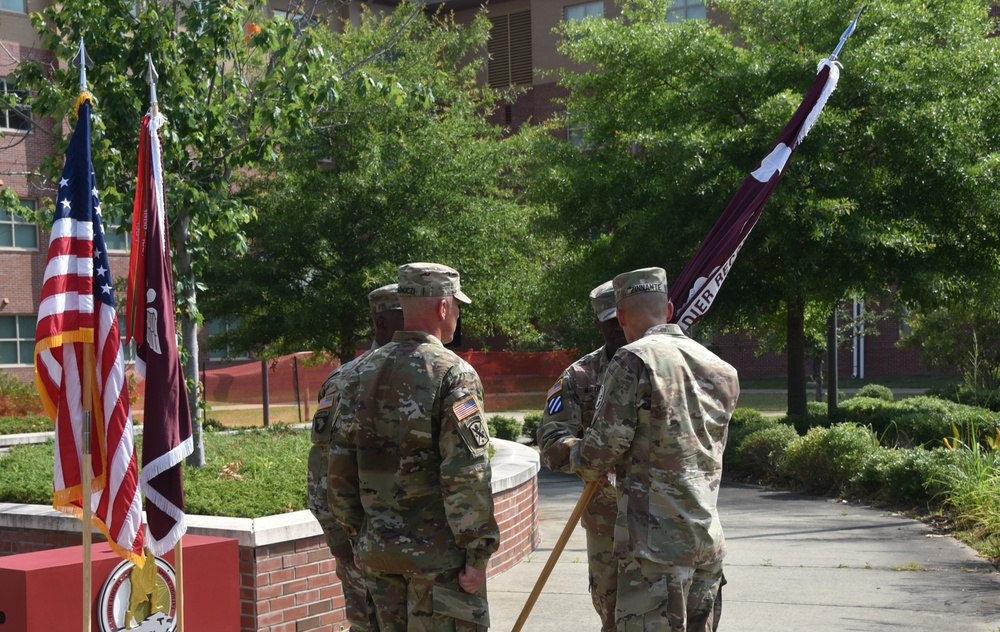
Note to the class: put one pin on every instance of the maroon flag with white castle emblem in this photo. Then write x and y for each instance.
(698, 283)
(167, 418)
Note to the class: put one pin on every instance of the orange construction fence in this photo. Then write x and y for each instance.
(511, 380)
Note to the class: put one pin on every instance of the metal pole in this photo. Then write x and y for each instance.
(267, 399)
(831, 355)
(295, 380)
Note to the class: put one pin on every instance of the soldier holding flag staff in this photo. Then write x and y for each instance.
(569, 410)
(661, 423)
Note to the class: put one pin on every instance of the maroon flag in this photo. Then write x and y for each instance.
(167, 419)
(77, 316)
(698, 283)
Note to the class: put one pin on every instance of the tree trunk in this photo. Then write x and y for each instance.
(796, 345)
(831, 354)
(189, 334)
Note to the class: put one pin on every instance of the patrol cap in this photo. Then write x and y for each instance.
(384, 298)
(639, 282)
(430, 279)
(602, 298)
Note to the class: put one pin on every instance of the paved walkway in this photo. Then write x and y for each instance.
(795, 563)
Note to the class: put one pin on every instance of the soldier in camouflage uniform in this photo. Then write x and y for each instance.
(409, 475)
(569, 410)
(662, 417)
(387, 318)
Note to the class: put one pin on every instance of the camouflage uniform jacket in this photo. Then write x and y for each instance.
(322, 425)
(569, 411)
(662, 418)
(409, 474)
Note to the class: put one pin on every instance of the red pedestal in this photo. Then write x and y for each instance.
(43, 591)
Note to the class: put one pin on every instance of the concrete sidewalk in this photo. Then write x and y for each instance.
(795, 563)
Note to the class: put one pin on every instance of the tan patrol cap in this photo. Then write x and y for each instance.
(430, 279)
(602, 298)
(639, 282)
(384, 298)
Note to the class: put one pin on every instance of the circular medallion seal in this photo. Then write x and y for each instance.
(139, 599)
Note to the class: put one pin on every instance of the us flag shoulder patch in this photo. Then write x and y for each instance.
(557, 387)
(326, 402)
(465, 408)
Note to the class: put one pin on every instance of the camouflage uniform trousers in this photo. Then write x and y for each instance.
(602, 570)
(663, 598)
(359, 605)
(426, 603)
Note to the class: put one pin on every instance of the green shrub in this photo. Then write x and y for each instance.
(761, 453)
(18, 399)
(745, 421)
(900, 476)
(530, 429)
(970, 395)
(503, 427)
(825, 459)
(815, 417)
(876, 391)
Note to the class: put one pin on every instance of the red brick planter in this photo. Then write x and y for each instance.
(287, 575)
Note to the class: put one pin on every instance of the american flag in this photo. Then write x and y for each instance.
(151, 322)
(465, 408)
(76, 313)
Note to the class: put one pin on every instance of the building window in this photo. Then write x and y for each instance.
(17, 340)
(16, 6)
(510, 50)
(116, 241)
(16, 232)
(580, 12)
(14, 112)
(221, 351)
(685, 10)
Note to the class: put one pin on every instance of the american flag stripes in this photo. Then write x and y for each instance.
(77, 307)
(167, 418)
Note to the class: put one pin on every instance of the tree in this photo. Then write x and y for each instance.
(233, 85)
(892, 188)
(371, 187)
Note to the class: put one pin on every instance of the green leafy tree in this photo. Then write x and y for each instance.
(233, 84)
(372, 187)
(894, 187)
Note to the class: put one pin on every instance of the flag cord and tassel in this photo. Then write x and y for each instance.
(588, 493)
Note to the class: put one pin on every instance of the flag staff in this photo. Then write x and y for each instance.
(151, 77)
(154, 122)
(588, 493)
(88, 404)
(847, 33)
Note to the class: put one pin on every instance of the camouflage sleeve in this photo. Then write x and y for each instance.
(318, 465)
(465, 473)
(611, 433)
(562, 421)
(343, 491)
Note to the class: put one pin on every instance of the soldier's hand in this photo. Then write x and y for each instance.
(471, 578)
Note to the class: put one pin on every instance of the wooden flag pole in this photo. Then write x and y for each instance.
(179, 564)
(588, 493)
(85, 478)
